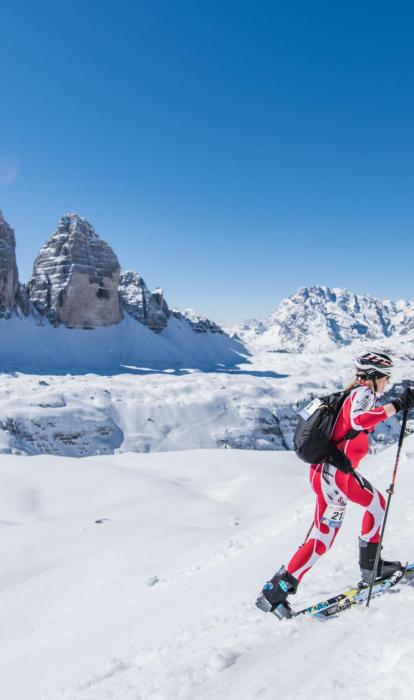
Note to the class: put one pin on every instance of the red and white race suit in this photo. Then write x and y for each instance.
(333, 488)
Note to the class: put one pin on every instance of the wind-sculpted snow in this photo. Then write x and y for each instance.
(153, 412)
(250, 405)
(316, 319)
(51, 425)
(130, 577)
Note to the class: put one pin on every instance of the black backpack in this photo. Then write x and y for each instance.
(316, 421)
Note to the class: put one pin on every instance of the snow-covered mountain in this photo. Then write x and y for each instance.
(97, 363)
(316, 319)
(133, 577)
(79, 313)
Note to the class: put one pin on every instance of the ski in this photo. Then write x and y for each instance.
(354, 596)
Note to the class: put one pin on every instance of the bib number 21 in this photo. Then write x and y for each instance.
(334, 515)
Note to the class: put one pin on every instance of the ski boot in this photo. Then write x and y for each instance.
(367, 555)
(274, 594)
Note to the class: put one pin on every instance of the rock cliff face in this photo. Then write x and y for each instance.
(75, 277)
(9, 279)
(151, 309)
(148, 308)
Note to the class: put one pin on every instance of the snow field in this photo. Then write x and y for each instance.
(27, 346)
(156, 602)
(252, 406)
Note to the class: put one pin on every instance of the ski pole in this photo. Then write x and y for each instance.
(390, 491)
(307, 536)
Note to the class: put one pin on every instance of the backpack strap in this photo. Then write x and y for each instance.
(351, 434)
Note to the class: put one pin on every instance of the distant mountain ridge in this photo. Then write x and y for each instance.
(318, 318)
(77, 284)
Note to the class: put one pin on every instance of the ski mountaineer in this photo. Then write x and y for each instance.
(334, 488)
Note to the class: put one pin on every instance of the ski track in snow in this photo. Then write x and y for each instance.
(192, 631)
(237, 655)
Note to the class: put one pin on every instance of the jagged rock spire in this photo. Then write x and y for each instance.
(9, 278)
(75, 277)
(148, 308)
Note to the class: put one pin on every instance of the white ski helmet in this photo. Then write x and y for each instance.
(373, 364)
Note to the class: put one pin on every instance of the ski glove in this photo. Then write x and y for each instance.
(406, 400)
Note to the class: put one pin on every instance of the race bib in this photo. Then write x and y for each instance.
(308, 410)
(334, 515)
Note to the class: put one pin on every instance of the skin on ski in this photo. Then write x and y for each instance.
(354, 596)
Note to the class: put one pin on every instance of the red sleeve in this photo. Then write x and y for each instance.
(369, 419)
(363, 414)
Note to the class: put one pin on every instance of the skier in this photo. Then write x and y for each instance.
(333, 487)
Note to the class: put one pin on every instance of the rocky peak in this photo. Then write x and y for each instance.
(75, 277)
(149, 308)
(9, 278)
(198, 323)
(319, 318)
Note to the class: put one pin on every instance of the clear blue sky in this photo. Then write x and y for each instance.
(228, 151)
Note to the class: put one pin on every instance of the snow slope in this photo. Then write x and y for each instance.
(28, 346)
(156, 600)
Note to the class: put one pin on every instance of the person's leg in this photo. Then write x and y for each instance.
(360, 490)
(327, 521)
(328, 505)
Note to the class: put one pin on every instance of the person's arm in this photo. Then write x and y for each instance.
(363, 414)
(376, 415)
